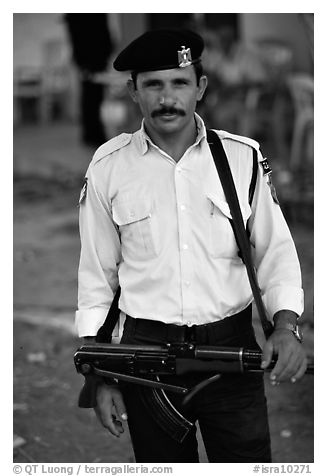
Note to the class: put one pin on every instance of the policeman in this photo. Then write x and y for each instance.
(154, 220)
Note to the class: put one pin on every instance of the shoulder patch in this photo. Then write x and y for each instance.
(111, 146)
(245, 140)
(268, 172)
(266, 167)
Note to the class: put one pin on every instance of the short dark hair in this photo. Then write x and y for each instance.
(197, 67)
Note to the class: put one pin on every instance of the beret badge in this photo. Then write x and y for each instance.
(184, 57)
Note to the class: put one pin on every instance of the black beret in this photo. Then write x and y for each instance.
(161, 49)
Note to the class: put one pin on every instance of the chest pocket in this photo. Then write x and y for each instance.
(222, 243)
(135, 219)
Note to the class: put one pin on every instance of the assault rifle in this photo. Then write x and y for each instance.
(145, 364)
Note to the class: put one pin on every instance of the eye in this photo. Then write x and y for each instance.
(181, 82)
(152, 83)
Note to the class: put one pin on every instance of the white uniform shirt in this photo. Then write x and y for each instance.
(161, 230)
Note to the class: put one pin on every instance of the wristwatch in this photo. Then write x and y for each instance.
(296, 331)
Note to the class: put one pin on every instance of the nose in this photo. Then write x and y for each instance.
(167, 97)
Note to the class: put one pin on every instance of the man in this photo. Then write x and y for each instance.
(91, 48)
(154, 220)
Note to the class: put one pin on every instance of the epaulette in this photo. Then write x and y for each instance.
(111, 146)
(245, 140)
(255, 148)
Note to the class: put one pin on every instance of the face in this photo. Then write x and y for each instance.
(168, 98)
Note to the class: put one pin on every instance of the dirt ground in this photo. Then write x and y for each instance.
(49, 165)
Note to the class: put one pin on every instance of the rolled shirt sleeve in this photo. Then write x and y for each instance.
(99, 258)
(274, 252)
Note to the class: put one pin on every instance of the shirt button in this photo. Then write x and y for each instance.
(183, 207)
(185, 247)
(187, 283)
(179, 169)
(189, 323)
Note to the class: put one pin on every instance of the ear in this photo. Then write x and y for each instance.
(132, 90)
(203, 82)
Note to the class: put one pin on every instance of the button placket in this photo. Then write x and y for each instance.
(184, 230)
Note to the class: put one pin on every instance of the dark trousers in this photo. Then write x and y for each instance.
(231, 412)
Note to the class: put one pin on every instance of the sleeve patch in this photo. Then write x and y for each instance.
(266, 167)
(267, 171)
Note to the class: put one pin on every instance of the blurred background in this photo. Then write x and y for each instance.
(67, 101)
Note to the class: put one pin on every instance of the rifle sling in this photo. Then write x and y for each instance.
(226, 178)
(105, 332)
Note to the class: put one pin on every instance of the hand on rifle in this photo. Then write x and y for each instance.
(110, 404)
(292, 361)
(110, 407)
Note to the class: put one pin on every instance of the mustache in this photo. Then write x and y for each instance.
(167, 110)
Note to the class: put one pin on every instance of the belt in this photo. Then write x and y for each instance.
(201, 334)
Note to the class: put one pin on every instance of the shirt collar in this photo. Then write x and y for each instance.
(143, 140)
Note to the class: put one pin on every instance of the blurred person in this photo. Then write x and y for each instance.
(232, 62)
(233, 69)
(154, 220)
(91, 49)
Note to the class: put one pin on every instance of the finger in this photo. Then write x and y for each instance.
(267, 353)
(105, 410)
(294, 357)
(291, 366)
(282, 362)
(301, 371)
(118, 424)
(119, 405)
(114, 426)
(109, 422)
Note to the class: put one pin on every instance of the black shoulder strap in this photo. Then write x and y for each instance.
(105, 332)
(254, 175)
(228, 185)
(252, 185)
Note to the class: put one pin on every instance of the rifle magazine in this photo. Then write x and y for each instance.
(165, 413)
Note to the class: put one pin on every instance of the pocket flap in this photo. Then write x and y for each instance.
(125, 213)
(223, 206)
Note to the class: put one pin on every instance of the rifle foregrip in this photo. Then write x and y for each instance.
(88, 394)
